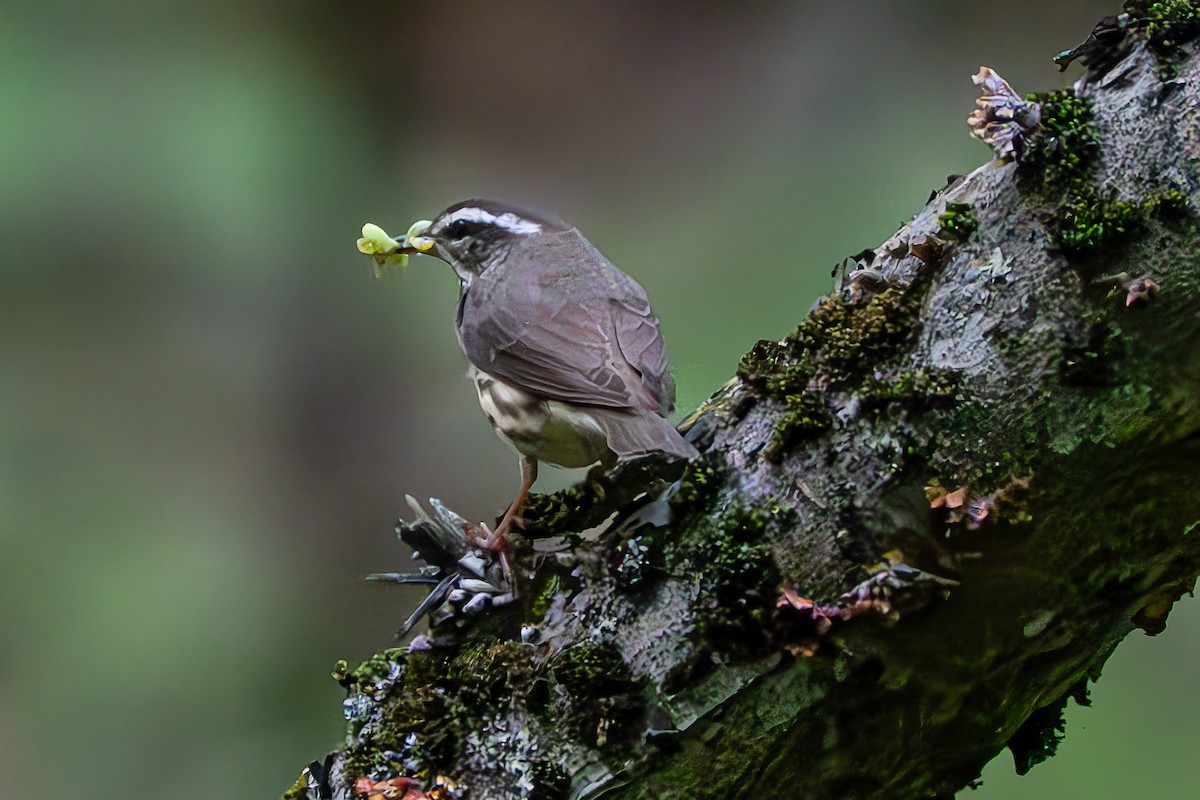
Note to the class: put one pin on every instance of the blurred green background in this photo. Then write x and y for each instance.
(210, 412)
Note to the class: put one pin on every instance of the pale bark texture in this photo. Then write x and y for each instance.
(919, 524)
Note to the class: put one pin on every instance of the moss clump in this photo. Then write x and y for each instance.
(699, 483)
(911, 385)
(606, 490)
(834, 346)
(957, 222)
(1089, 220)
(638, 561)
(1171, 205)
(432, 699)
(491, 670)
(1059, 158)
(845, 342)
(840, 346)
(615, 702)
(1167, 24)
(1059, 165)
(738, 583)
(775, 367)
(807, 415)
(297, 791)
(418, 698)
(588, 668)
(370, 675)
(389, 692)
(548, 585)
(558, 511)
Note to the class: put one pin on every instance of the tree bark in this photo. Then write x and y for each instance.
(920, 523)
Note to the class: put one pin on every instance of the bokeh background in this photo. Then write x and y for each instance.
(210, 412)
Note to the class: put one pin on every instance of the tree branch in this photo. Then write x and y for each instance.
(920, 523)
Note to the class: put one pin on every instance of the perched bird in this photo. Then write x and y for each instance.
(565, 352)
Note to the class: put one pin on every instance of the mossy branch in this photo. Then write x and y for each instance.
(921, 522)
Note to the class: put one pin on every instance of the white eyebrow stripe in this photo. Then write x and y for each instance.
(508, 220)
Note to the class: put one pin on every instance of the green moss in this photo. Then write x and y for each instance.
(1171, 205)
(775, 367)
(1058, 160)
(419, 698)
(297, 791)
(394, 692)
(1089, 221)
(908, 385)
(699, 483)
(738, 584)
(460, 690)
(414, 708)
(614, 699)
(846, 342)
(638, 560)
(369, 674)
(834, 345)
(429, 702)
(606, 490)
(1167, 24)
(727, 554)
(557, 511)
(549, 584)
(957, 222)
(491, 670)
(1059, 163)
(424, 667)
(841, 346)
(589, 667)
(806, 415)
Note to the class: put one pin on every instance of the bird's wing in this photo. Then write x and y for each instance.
(641, 344)
(574, 329)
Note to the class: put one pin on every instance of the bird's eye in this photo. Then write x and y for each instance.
(459, 229)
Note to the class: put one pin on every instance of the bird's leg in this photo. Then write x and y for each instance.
(529, 470)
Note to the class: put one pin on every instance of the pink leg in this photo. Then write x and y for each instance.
(529, 469)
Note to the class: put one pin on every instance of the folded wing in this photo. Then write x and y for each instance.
(572, 327)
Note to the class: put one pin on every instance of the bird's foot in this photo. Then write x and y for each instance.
(494, 541)
(495, 544)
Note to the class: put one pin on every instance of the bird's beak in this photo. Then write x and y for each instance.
(415, 240)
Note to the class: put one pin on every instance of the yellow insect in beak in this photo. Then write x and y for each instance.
(414, 238)
(388, 251)
(383, 249)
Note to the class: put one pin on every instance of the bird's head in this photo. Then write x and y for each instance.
(473, 235)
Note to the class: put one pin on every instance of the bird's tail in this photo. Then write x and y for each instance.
(640, 433)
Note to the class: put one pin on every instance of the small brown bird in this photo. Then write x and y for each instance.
(565, 352)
